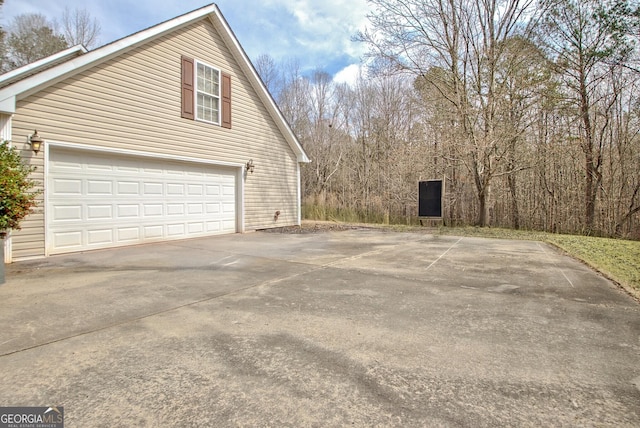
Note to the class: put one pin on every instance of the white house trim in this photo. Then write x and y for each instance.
(41, 63)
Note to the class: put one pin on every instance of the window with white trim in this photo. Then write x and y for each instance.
(207, 93)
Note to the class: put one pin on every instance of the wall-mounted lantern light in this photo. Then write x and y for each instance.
(36, 142)
(249, 166)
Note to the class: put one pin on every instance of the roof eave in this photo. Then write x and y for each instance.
(43, 62)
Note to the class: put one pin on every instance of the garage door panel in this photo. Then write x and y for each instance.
(128, 234)
(153, 210)
(214, 226)
(152, 171)
(175, 189)
(213, 190)
(176, 229)
(68, 240)
(99, 187)
(128, 211)
(195, 190)
(195, 227)
(98, 201)
(67, 187)
(99, 237)
(213, 208)
(127, 188)
(175, 209)
(67, 164)
(67, 213)
(97, 166)
(195, 209)
(99, 212)
(153, 189)
(152, 232)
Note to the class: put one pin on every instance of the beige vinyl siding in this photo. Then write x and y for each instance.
(133, 102)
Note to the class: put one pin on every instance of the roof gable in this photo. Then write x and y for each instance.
(48, 71)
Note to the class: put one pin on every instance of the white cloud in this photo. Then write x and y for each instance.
(348, 75)
(316, 32)
(326, 27)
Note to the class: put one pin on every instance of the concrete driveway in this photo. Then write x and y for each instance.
(351, 328)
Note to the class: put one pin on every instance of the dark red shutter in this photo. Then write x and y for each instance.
(187, 88)
(226, 100)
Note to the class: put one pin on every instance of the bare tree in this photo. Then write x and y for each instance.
(583, 45)
(79, 28)
(31, 37)
(269, 73)
(466, 38)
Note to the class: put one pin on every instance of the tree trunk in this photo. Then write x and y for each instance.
(511, 180)
(590, 191)
(482, 213)
(587, 146)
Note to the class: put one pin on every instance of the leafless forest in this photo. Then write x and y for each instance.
(529, 111)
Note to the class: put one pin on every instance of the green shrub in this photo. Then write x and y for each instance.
(16, 197)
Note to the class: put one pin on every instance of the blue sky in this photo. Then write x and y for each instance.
(315, 32)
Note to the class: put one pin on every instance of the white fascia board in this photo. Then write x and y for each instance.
(29, 68)
(8, 105)
(33, 83)
(260, 88)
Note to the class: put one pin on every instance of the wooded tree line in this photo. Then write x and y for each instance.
(529, 110)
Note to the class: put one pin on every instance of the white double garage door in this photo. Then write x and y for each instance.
(98, 200)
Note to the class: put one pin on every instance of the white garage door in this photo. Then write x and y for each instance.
(97, 200)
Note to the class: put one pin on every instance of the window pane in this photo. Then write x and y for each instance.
(215, 80)
(208, 91)
(201, 78)
(208, 108)
(215, 108)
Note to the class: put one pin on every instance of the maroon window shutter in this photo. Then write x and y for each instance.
(226, 100)
(187, 88)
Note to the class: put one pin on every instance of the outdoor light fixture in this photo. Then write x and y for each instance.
(36, 142)
(250, 166)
